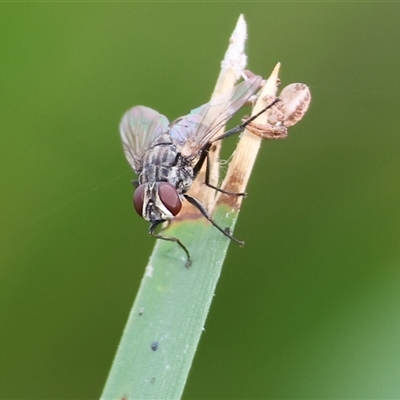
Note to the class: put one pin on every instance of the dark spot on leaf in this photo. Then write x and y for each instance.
(154, 346)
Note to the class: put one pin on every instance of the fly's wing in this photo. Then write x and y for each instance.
(197, 128)
(139, 127)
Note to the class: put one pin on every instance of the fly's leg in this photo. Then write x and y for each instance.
(153, 226)
(276, 126)
(196, 203)
(207, 180)
(188, 262)
(240, 128)
(204, 156)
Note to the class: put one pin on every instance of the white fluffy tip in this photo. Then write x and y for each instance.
(235, 57)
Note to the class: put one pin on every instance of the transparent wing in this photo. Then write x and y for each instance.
(197, 128)
(139, 127)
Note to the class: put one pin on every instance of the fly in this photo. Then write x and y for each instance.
(167, 157)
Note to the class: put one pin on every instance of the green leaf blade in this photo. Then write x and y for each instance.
(165, 324)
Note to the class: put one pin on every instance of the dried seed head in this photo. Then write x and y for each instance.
(297, 98)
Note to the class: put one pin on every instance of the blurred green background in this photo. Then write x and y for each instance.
(310, 307)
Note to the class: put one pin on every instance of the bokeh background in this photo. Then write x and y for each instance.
(310, 307)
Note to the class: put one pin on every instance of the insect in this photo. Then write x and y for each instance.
(167, 157)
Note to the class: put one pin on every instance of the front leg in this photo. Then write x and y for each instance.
(152, 229)
(207, 181)
(204, 156)
(225, 231)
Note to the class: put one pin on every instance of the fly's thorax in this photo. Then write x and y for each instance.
(157, 201)
(164, 163)
(157, 162)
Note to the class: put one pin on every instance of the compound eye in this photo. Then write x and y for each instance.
(138, 199)
(170, 198)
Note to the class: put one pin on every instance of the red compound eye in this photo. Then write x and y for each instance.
(138, 198)
(170, 198)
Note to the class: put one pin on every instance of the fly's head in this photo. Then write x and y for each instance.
(157, 201)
